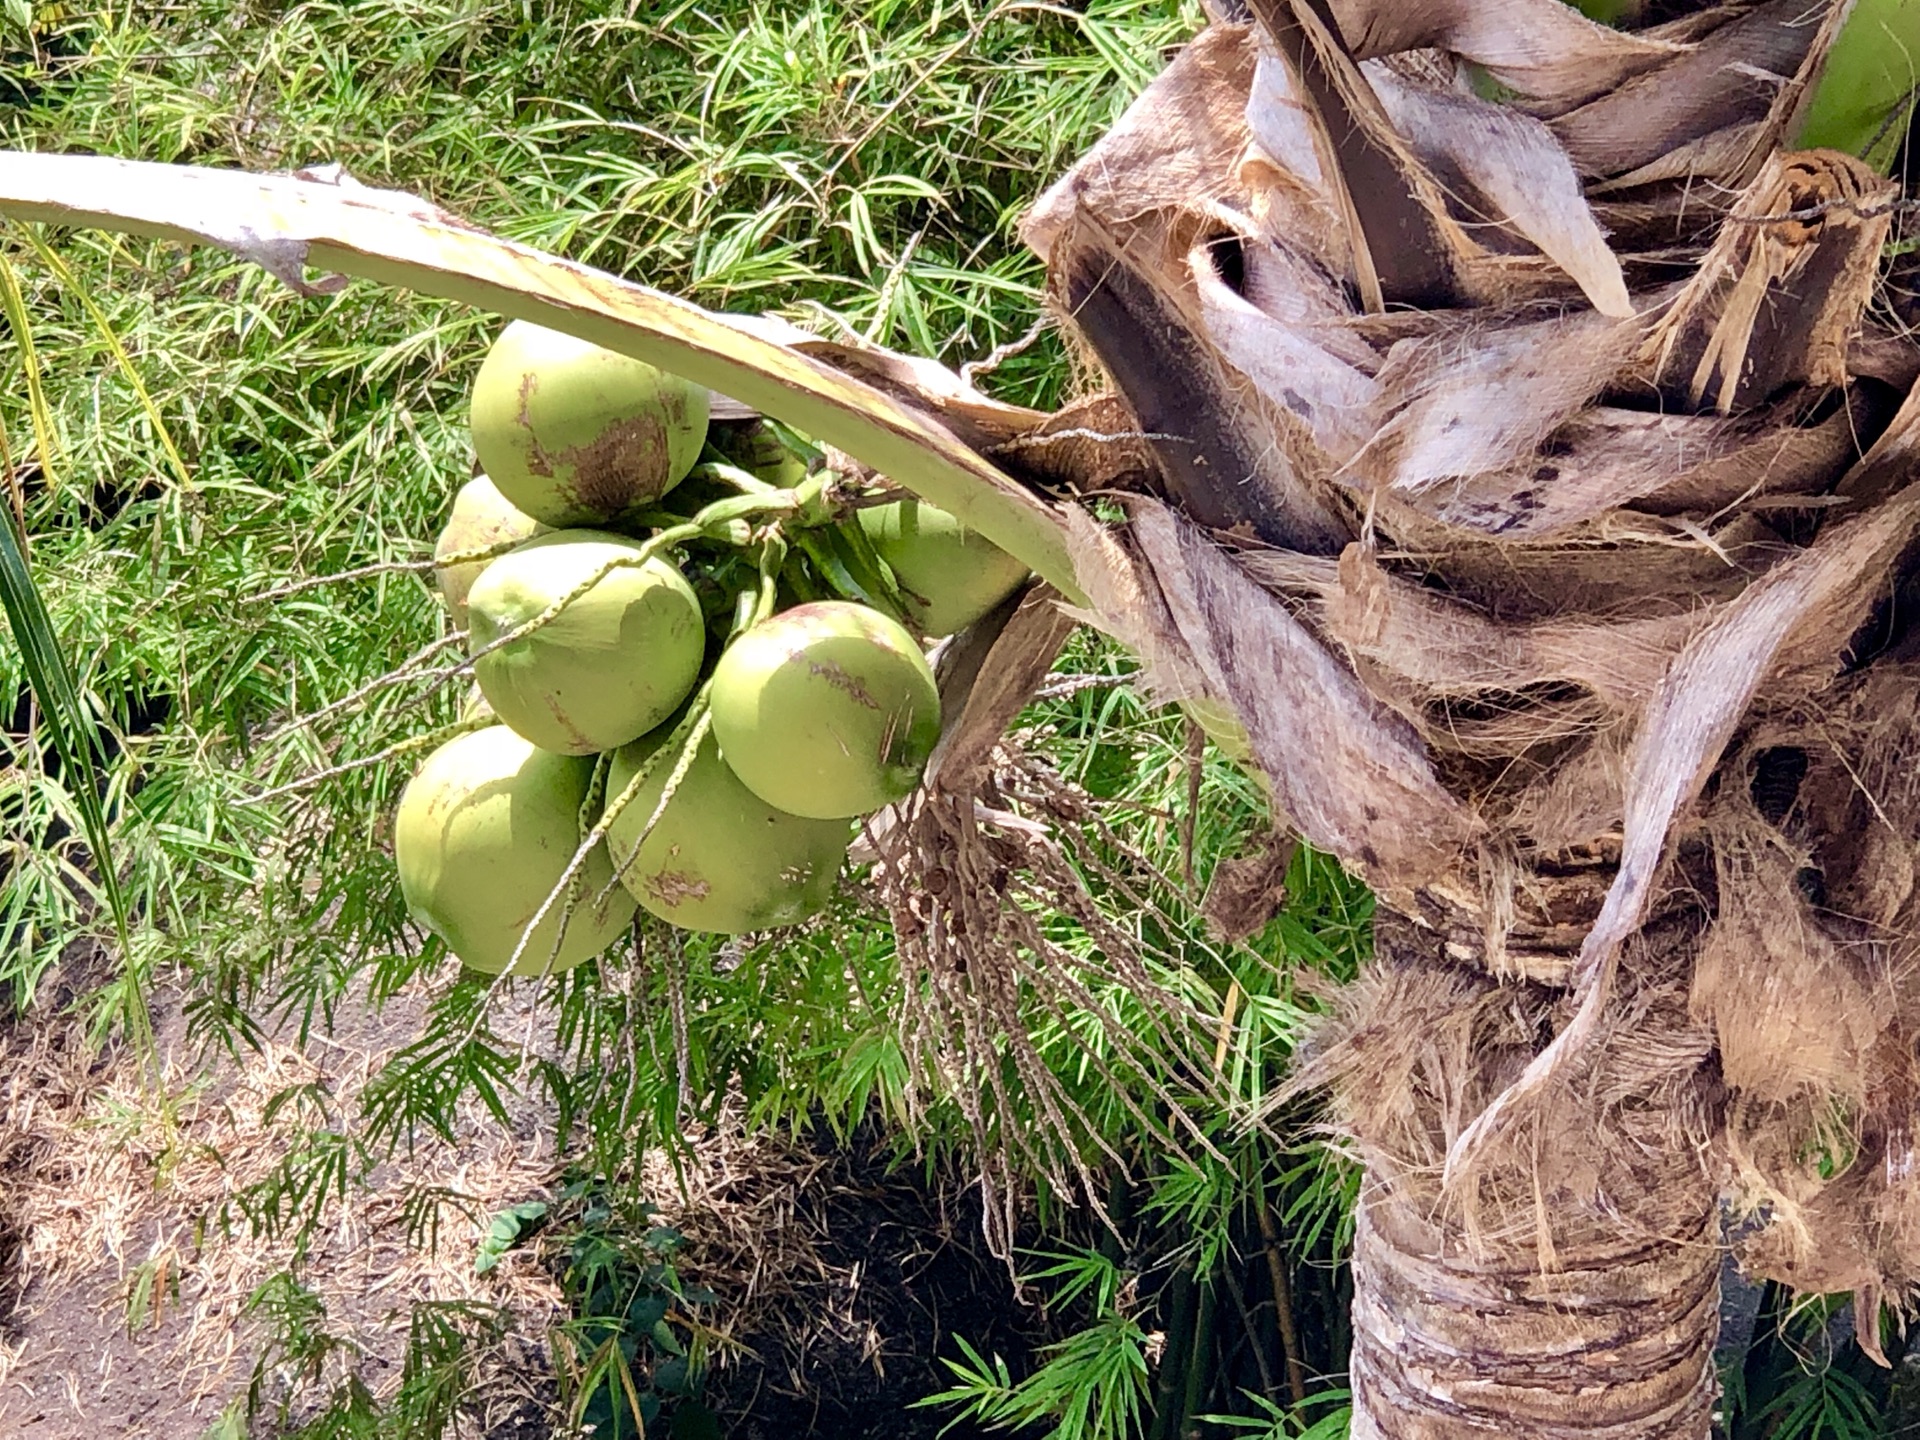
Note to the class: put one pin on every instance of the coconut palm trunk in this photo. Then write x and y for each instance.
(1522, 437)
(1588, 1307)
(1512, 424)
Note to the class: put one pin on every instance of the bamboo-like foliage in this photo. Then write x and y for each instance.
(56, 693)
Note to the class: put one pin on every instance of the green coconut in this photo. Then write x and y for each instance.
(609, 667)
(576, 435)
(483, 833)
(721, 859)
(826, 710)
(755, 447)
(481, 519)
(950, 576)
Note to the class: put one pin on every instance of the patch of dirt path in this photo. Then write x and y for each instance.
(122, 1208)
(839, 1281)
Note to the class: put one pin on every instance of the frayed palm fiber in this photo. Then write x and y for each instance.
(1527, 486)
(978, 870)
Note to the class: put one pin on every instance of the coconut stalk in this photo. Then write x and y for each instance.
(1530, 481)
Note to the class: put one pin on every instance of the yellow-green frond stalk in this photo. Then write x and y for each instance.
(1610, 12)
(1865, 96)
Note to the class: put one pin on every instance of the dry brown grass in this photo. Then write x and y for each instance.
(118, 1186)
(835, 1275)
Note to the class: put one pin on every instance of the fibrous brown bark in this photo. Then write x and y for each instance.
(1576, 1296)
(1559, 583)
(1615, 1340)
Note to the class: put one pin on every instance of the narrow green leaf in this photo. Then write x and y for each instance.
(14, 306)
(61, 271)
(62, 713)
(1865, 95)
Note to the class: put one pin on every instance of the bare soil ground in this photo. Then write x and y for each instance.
(844, 1283)
(124, 1301)
(119, 1203)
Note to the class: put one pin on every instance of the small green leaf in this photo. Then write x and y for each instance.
(510, 1228)
(230, 1424)
(670, 1376)
(646, 1311)
(664, 1239)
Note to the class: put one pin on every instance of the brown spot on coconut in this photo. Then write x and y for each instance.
(827, 710)
(677, 887)
(482, 517)
(848, 685)
(950, 576)
(611, 665)
(577, 435)
(482, 835)
(721, 859)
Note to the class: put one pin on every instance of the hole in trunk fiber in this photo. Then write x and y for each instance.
(1891, 629)
(1230, 259)
(1777, 774)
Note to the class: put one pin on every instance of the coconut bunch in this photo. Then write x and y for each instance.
(1524, 445)
(698, 660)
